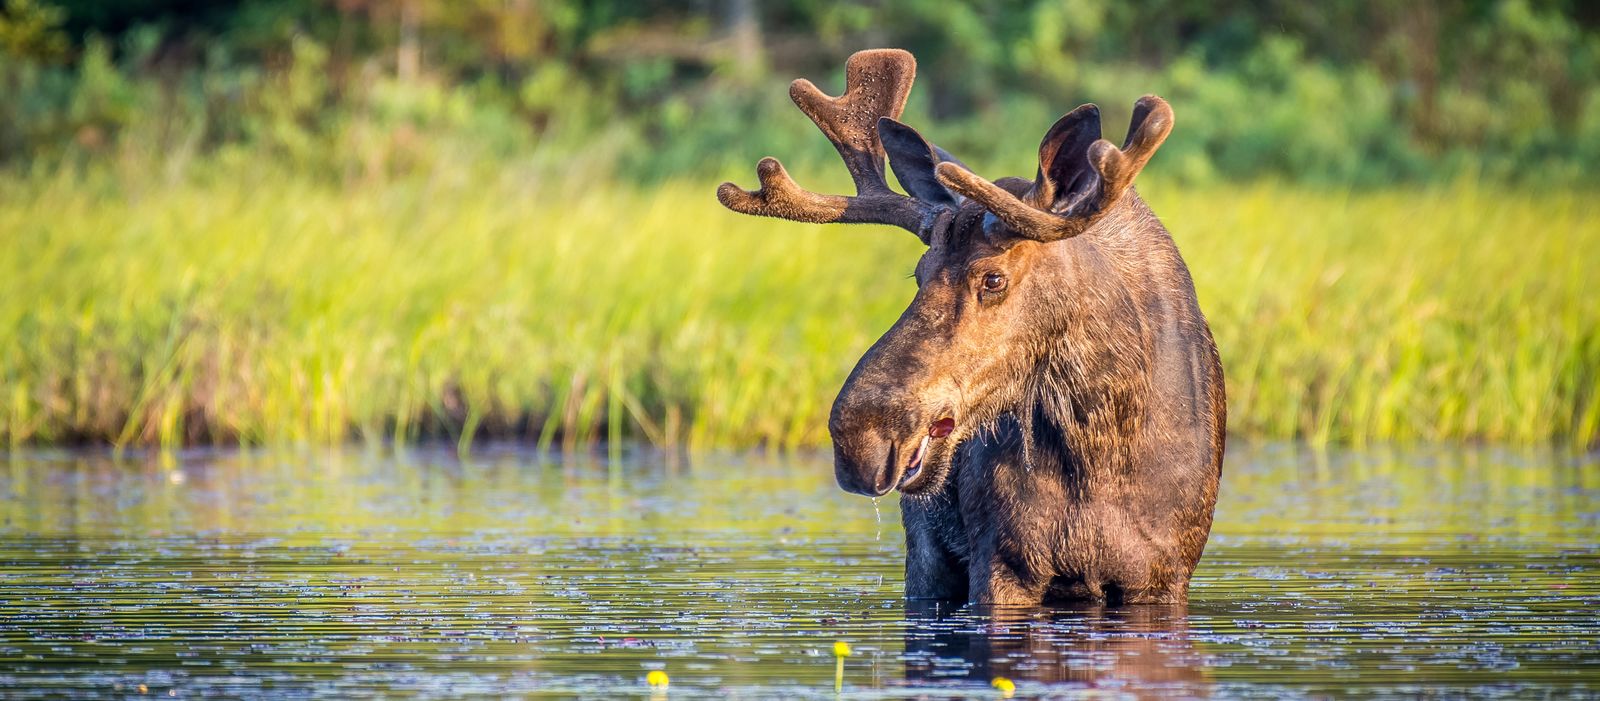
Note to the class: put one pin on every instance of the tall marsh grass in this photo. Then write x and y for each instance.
(263, 307)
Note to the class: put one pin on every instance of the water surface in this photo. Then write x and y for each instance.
(363, 572)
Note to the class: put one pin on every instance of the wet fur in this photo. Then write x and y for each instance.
(1096, 477)
(1086, 396)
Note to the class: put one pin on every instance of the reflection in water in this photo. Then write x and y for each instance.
(1144, 651)
(359, 572)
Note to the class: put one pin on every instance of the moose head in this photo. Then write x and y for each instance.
(1007, 285)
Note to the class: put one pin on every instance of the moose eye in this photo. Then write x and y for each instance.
(994, 282)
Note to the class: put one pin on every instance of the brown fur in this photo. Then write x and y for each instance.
(1085, 391)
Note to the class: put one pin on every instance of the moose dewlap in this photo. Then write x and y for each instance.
(1050, 405)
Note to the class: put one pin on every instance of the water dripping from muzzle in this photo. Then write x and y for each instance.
(879, 516)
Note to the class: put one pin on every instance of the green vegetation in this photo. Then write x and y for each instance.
(257, 305)
(305, 221)
(1368, 92)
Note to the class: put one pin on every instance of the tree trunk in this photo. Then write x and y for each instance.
(408, 56)
(744, 30)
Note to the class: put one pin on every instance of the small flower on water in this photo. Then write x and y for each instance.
(1004, 686)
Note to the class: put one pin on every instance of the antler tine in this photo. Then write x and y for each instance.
(1151, 123)
(1149, 127)
(877, 83)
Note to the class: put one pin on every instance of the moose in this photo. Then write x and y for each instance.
(1050, 405)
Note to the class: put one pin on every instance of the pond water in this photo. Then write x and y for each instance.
(375, 572)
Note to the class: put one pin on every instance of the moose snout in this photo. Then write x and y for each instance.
(863, 464)
(880, 422)
(877, 445)
(865, 435)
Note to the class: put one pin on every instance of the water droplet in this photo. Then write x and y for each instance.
(878, 515)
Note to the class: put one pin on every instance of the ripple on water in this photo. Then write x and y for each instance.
(359, 574)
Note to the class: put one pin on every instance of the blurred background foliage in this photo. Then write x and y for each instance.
(1351, 93)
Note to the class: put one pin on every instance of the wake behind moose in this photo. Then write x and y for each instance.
(1050, 405)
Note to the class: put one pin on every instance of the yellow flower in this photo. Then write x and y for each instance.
(656, 677)
(841, 649)
(1004, 686)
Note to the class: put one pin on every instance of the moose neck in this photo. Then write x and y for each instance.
(1086, 401)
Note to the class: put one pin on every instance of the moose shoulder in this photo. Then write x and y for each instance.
(1050, 405)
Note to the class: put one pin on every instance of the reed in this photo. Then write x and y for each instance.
(258, 305)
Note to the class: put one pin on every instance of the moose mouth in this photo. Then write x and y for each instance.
(941, 428)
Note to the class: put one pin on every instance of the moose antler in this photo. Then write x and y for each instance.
(877, 84)
(1031, 216)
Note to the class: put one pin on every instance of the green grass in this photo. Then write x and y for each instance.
(256, 305)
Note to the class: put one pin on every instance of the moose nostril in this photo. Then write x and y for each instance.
(942, 427)
(883, 478)
(881, 485)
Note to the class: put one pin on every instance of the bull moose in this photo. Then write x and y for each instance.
(1050, 405)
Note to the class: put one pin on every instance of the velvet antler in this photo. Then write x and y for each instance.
(877, 83)
(1035, 215)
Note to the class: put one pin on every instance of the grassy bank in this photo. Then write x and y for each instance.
(263, 307)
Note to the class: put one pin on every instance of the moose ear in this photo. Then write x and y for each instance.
(1081, 176)
(913, 160)
(1065, 176)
